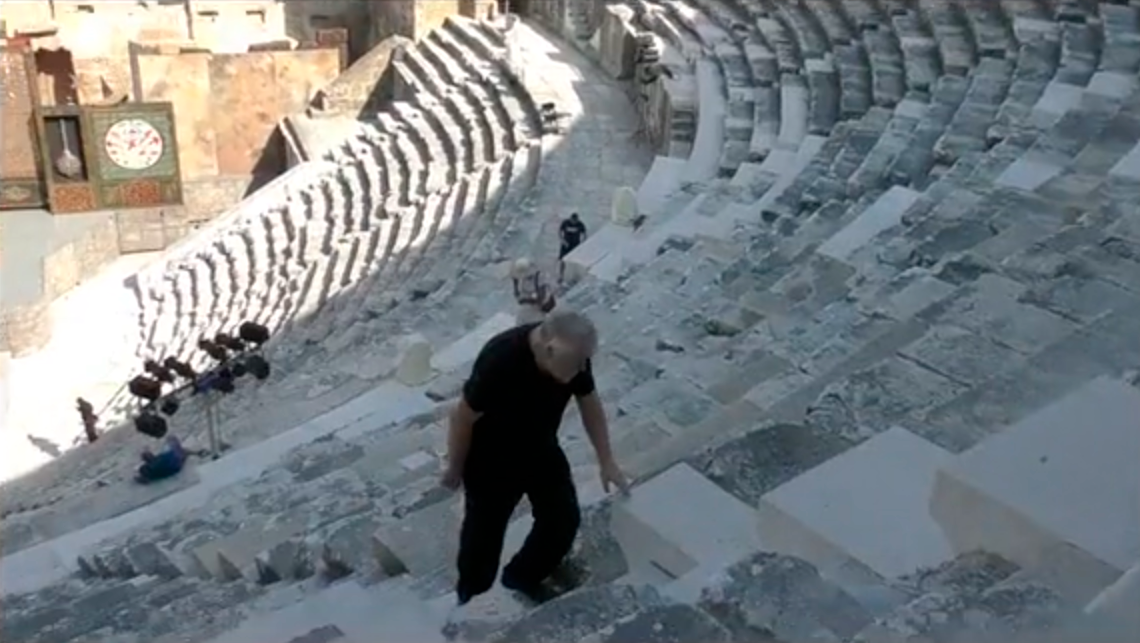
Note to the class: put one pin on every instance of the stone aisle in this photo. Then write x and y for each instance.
(598, 153)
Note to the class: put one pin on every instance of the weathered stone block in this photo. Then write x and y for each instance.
(578, 615)
(287, 560)
(1054, 477)
(149, 558)
(770, 596)
(717, 529)
(757, 463)
(420, 543)
(668, 624)
(839, 511)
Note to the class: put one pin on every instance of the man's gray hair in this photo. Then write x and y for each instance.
(571, 327)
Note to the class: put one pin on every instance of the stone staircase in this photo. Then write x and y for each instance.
(850, 356)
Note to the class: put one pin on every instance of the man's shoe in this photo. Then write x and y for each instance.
(537, 593)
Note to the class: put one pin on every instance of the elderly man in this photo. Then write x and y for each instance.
(503, 444)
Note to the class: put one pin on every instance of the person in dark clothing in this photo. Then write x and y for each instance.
(164, 464)
(503, 444)
(571, 233)
(89, 419)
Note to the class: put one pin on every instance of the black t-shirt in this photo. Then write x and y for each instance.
(521, 405)
(572, 232)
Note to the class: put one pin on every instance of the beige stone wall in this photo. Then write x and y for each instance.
(227, 106)
(203, 199)
(71, 264)
(393, 18)
(230, 26)
(430, 15)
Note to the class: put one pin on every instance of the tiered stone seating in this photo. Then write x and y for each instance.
(829, 359)
(380, 202)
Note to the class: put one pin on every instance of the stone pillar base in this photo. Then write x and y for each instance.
(25, 329)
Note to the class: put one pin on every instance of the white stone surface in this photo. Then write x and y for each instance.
(869, 504)
(1056, 101)
(793, 115)
(787, 172)
(704, 160)
(681, 520)
(390, 613)
(917, 295)
(465, 349)
(610, 239)
(1028, 174)
(1120, 600)
(1129, 166)
(1112, 84)
(664, 178)
(883, 214)
(911, 108)
(1066, 474)
(416, 460)
(624, 208)
(415, 362)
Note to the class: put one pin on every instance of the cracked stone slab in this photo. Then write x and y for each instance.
(886, 394)
(1008, 495)
(1000, 612)
(751, 466)
(771, 596)
(991, 308)
(835, 514)
(579, 614)
(963, 356)
(674, 402)
(668, 624)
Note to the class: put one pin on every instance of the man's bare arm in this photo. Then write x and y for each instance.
(596, 425)
(461, 422)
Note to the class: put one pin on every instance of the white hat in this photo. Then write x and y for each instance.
(523, 267)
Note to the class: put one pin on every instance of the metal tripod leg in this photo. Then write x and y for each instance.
(212, 429)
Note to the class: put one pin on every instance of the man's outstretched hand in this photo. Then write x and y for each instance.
(451, 479)
(612, 477)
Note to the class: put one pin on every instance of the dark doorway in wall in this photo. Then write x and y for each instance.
(56, 75)
(518, 7)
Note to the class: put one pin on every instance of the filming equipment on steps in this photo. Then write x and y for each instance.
(235, 357)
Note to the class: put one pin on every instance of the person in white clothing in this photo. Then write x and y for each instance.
(532, 294)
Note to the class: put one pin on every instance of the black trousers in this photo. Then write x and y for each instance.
(491, 494)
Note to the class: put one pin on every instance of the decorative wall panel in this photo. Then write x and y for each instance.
(110, 157)
(21, 181)
(136, 153)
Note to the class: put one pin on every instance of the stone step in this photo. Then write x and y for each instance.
(1116, 601)
(428, 143)
(981, 504)
(487, 139)
(834, 516)
(978, 597)
(387, 612)
(462, 45)
(609, 613)
(659, 542)
(781, 597)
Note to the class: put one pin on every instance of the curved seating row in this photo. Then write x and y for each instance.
(955, 251)
(429, 167)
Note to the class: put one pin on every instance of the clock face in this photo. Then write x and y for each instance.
(133, 144)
